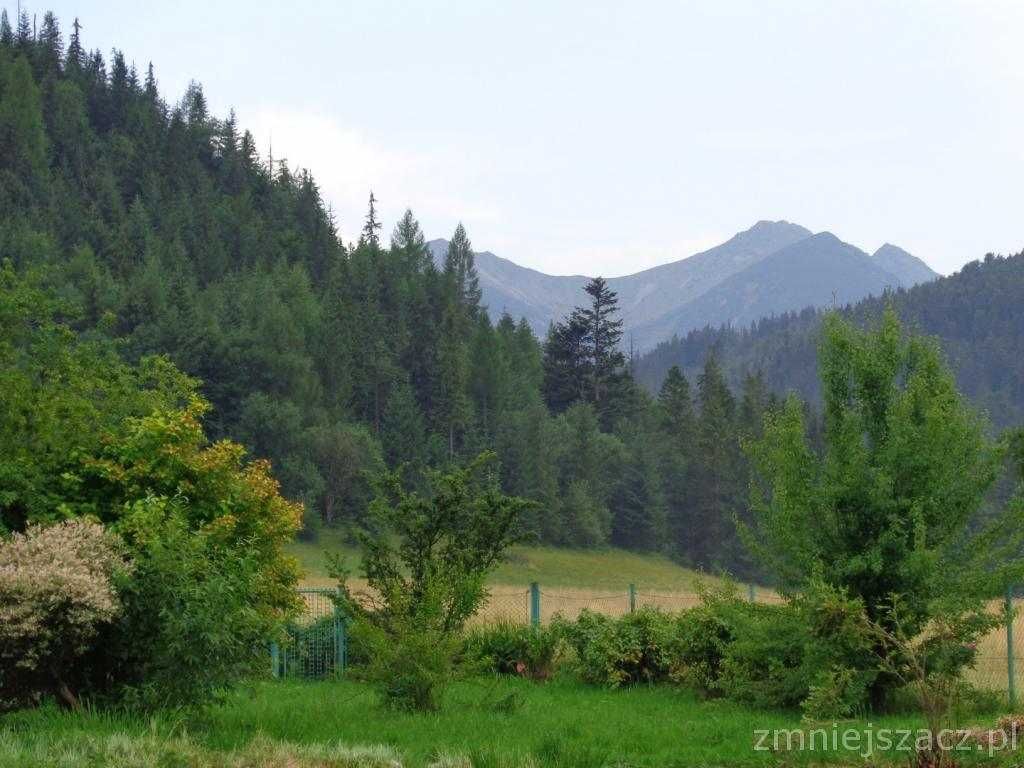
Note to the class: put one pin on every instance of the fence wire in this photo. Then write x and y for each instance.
(317, 639)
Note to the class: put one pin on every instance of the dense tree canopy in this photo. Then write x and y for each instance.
(157, 228)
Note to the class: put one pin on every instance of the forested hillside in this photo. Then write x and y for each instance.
(160, 229)
(977, 314)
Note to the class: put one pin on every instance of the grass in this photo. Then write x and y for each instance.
(608, 569)
(484, 723)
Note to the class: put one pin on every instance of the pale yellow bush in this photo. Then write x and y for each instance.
(56, 589)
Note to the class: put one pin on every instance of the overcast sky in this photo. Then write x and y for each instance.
(602, 138)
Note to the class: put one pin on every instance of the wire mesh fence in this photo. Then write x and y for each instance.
(317, 640)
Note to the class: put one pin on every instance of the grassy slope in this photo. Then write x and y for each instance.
(558, 724)
(610, 569)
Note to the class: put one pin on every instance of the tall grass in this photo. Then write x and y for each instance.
(485, 722)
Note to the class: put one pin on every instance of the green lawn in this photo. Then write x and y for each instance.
(586, 569)
(484, 723)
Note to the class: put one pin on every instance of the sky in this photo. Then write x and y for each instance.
(606, 137)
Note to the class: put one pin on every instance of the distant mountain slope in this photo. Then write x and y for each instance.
(813, 272)
(909, 269)
(977, 314)
(753, 274)
(520, 291)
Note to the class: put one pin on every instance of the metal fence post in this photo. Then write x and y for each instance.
(632, 598)
(339, 641)
(1011, 673)
(534, 604)
(275, 660)
(750, 593)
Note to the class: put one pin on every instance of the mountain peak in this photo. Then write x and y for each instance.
(907, 268)
(766, 228)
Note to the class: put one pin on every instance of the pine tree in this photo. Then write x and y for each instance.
(150, 86)
(677, 435)
(74, 61)
(22, 134)
(451, 402)
(604, 332)
(676, 409)
(566, 364)
(408, 242)
(460, 270)
(23, 37)
(371, 229)
(716, 460)
(6, 33)
(50, 48)
(583, 362)
(639, 505)
(403, 434)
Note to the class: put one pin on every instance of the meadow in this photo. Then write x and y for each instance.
(485, 722)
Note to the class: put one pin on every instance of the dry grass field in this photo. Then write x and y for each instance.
(571, 580)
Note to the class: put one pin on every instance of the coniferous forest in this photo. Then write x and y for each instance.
(159, 228)
(199, 362)
(977, 314)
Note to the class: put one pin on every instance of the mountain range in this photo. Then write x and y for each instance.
(769, 269)
(975, 314)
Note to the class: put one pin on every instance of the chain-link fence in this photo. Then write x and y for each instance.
(999, 660)
(317, 641)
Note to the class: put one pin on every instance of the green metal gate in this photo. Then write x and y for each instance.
(316, 644)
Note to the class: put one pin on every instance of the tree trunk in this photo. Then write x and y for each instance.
(67, 699)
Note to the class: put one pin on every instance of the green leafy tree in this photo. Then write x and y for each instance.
(893, 508)
(426, 567)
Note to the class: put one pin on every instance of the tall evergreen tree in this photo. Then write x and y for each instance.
(460, 271)
(371, 227)
(604, 332)
(715, 477)
(23, 162)
(74, 60)
(6, 33)
(566, 364)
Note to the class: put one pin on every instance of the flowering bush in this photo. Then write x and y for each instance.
(56, 589)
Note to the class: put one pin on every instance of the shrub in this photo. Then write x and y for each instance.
(411, 663)
(837, 692)
(211, 584)
(635, 648)
(191, 625)
(515, 649)
(56, 590)
(426, 563)
(763, 664)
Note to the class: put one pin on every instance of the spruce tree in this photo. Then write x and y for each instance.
(23, 165)
(371, 228)
(74, 60)
(460, 271)
(23, 37)
(451, 402)
(677, 433)
(567, 365)
(6, 33)
(604, 332)
(408, 242)
(715, 469)
(50, 50)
